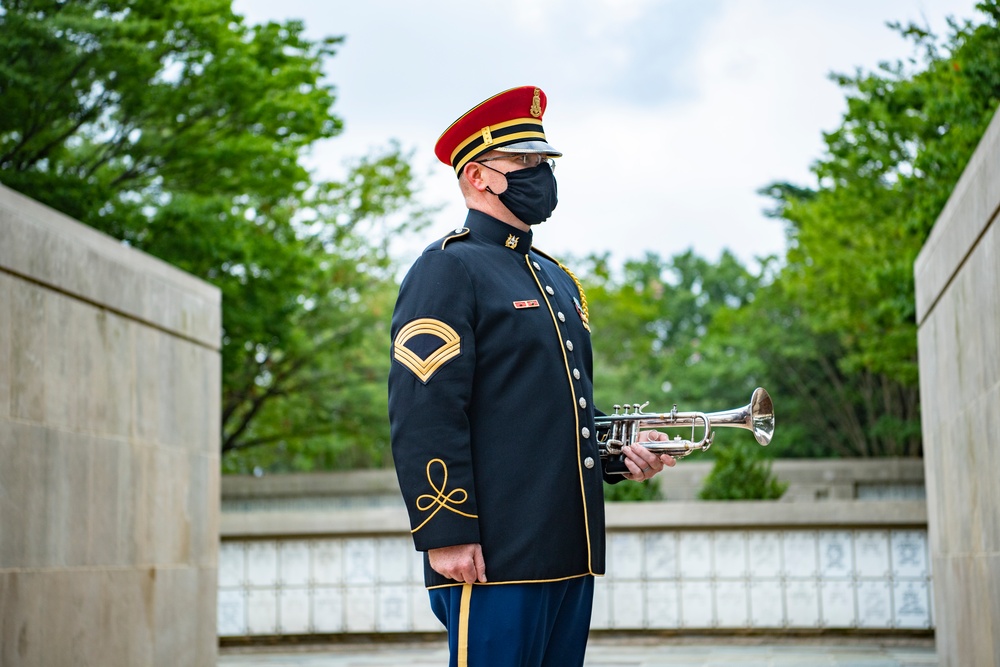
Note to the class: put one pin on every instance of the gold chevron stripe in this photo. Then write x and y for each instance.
(425, 367)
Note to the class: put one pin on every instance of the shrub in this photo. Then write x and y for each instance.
(741, 473)
(633, 491)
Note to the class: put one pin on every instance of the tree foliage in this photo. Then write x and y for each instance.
(909, 130)
(181, 130)
(653, 317)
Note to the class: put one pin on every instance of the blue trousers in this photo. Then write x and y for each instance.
(516, 625)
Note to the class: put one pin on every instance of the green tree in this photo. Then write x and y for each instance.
(179, 129)
(906, 137)
(650, 322)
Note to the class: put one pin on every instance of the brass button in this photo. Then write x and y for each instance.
(583, 402)
(538, 267)
(576, 373)
(562, 318)
(585, 432)
(549, 290)
(569, 345)
(589, 462)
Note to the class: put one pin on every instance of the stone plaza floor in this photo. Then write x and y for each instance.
(617, 652)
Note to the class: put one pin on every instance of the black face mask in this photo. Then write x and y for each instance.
(530, 194)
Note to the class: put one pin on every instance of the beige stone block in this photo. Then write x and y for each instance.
(991, 565)
(70, 500)
(988, 462)
(22, 498)
(171, 396)
(105, 361)
(45, 497)
(176, 399)
(185, 618)
(139, 522)
(28, 351)
(68, 490)
(203, 509)
(62, 368)
(965, 624)
(168, 521)
(76, 617)
(147, 384)
(22, 631)
(188, 396)
(107, 536)
(7, 285)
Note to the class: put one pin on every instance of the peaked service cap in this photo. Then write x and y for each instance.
(510, 122)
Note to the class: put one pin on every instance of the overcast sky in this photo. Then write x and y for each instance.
(671, 113)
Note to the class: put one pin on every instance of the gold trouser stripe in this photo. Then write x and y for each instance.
(463, 626)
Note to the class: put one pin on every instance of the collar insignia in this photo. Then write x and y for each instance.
(512, 241)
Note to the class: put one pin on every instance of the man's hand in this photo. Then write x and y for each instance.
(462, 562)
(642, 463)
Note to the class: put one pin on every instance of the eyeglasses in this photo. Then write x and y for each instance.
(526, 160)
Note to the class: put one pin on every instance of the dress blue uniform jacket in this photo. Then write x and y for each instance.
(491, 407)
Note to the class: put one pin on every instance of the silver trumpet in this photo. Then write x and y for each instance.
(622, 428)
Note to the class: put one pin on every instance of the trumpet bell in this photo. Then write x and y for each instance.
(761, 416)
(757, 416)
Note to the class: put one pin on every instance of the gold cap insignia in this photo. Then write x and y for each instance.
(487, 136)
(536, 104)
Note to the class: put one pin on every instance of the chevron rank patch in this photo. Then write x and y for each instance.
(423, 346)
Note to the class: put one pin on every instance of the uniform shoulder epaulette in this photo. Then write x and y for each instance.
(459, 233)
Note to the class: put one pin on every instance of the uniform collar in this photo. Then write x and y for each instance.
(489, 228)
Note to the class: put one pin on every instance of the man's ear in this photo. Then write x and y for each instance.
(473, 172)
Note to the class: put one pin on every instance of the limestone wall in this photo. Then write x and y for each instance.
(958, 311)
(109, 450)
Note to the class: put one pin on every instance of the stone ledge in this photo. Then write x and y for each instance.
(809, 480)
(970, 210)
(621, 516)
(44, 246)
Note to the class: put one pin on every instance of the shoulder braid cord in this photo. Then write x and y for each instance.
(579, 288)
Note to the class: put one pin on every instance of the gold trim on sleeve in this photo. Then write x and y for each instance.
(440, 500)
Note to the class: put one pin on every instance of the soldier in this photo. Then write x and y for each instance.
(491, 407)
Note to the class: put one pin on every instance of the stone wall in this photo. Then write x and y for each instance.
(109, 450)
(958, 312)
(732, 567)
